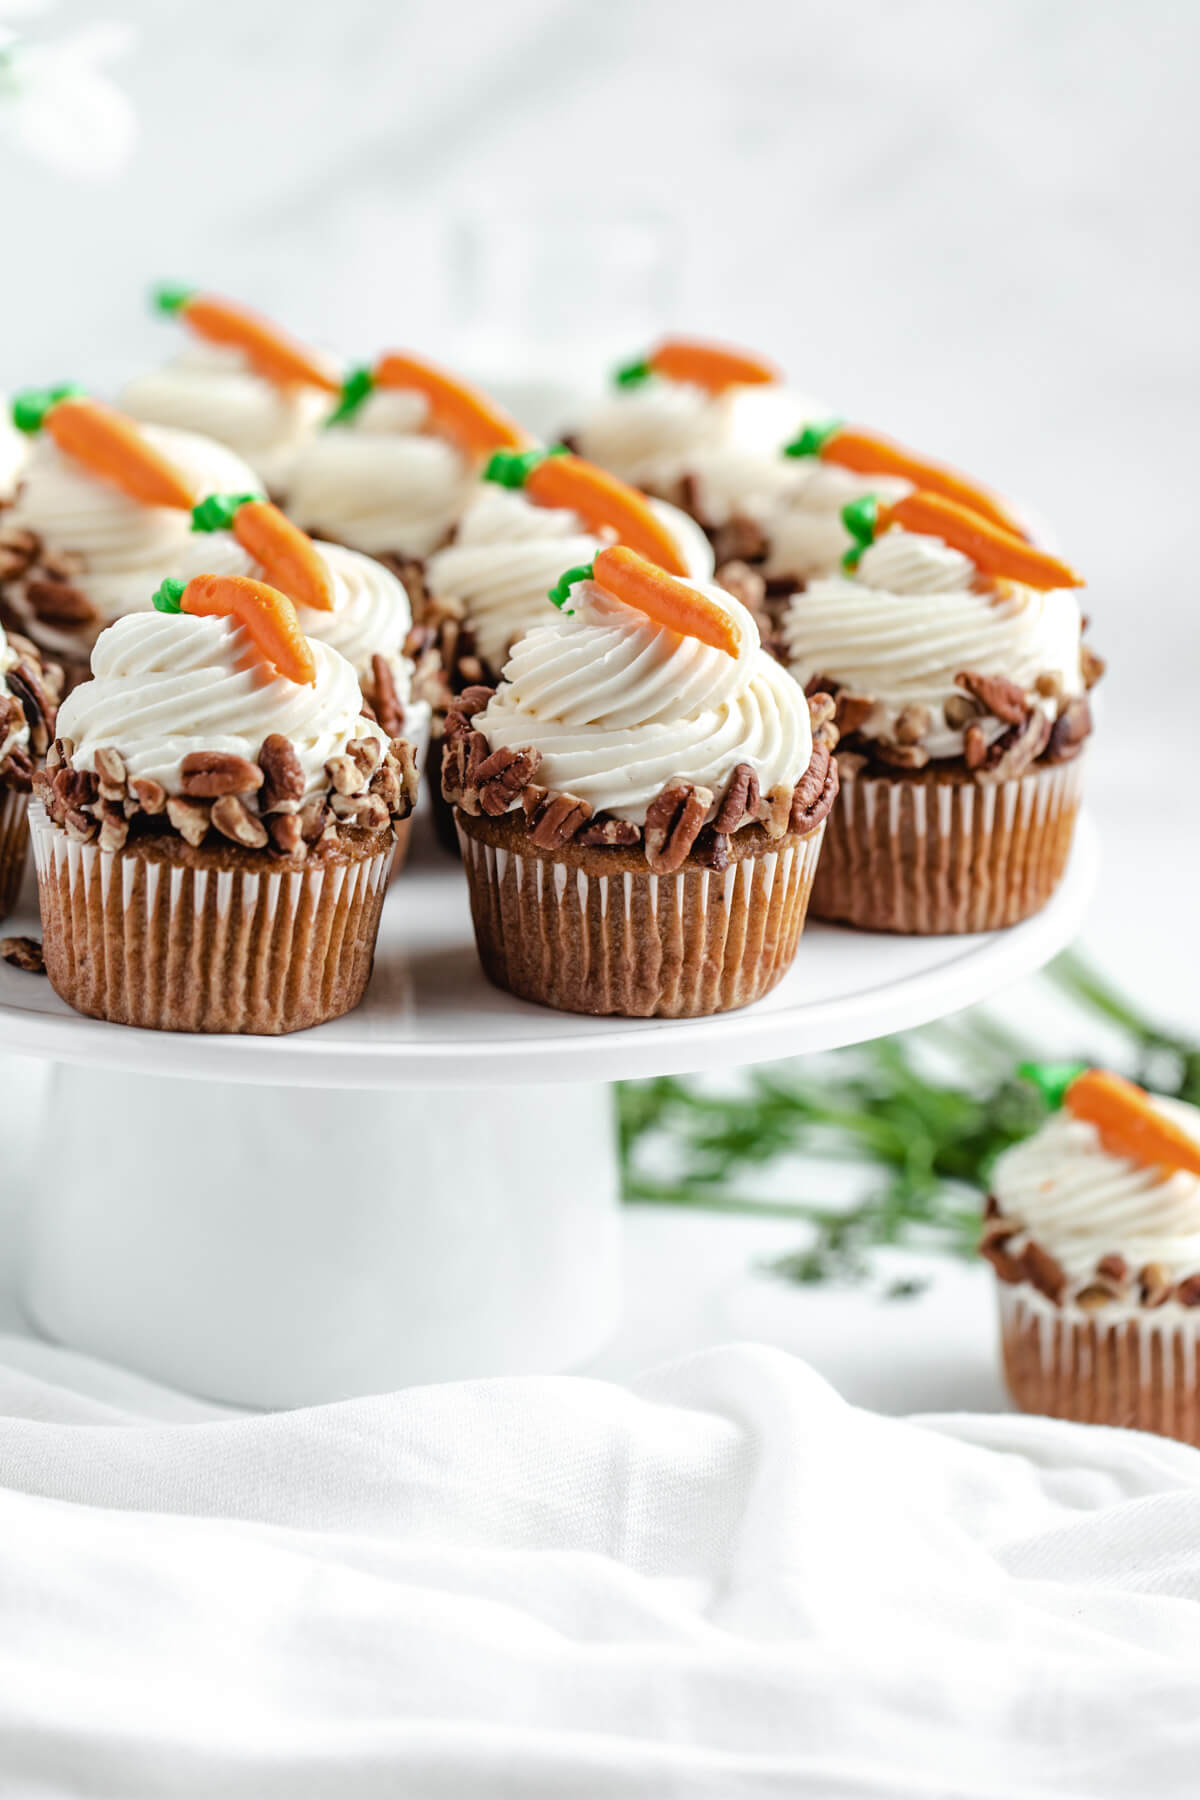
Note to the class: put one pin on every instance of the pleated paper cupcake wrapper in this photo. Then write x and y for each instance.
(14, 836)
(180, 948)
(915, 856)
(1124, 1365)
(633, 942)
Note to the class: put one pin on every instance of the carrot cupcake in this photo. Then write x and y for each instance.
(641, 801)
(397, 462)
(343, 598)
(534, 513)
(1093, 1228)
(239, 380)
(954, 652)
(102, 513)
(215, 822)
(28, 695)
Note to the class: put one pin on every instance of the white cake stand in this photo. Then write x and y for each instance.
(424, 1190)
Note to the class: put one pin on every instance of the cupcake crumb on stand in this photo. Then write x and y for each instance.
(1093, 1228)
(641, 801)
(215, 823)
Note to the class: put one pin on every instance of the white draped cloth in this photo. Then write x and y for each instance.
(721, 1581)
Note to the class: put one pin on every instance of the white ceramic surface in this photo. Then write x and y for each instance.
(430, 1019)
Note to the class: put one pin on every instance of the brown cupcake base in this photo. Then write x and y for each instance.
(14, 836)
(597, 931)
(213, 939)
(935, 851)
(1131, 1366)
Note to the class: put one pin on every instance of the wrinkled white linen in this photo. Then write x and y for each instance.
(721, 1582)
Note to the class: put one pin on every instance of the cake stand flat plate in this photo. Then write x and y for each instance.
(430, 1019)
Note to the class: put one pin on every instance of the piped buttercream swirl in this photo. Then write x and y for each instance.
(507, 553)
(619, 706)
(166, 685)
(1080, 1202)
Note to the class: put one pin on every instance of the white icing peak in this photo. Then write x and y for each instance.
(1080, 1202)
(909, 620)
(165, 685)
(619, 706)
(123, 548)
(380, 482)
(508, 553)
(211, 388)
(371, 613)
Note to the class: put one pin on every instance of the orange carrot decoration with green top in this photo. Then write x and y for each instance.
(271, 353)
(268, 616)
(992, 550)
(289, 559)
(709, 366)
(1129, 1124)
(456, 410)
(556, 478)
(664, 600)
(833, 441)
(104, 442)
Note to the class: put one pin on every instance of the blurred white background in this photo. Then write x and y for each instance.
(973, 225)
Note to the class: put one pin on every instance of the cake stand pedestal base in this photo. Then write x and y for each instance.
(283, 1246)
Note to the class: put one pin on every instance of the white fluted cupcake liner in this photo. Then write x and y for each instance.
(183, 945)
(14, 836)
(1124, 1364)
(563, 931)
(926, 853)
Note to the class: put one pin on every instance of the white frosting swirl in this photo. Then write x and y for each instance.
(1064, 1189)
(619, 706)
(14, 449)
(18, 735)
(211, 388)
(380, 482)
(371, 613)
(908, 621)
(508, 553)
(122, 548)
(653, 434)
(165, 685)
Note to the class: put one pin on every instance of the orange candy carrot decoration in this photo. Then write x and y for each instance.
(993, 551)
(1129, 1124)
(271, 353)
(266, 614)
(556, 478)
(665, 601)
(456, 410)
(867, 454)
(289, 559)
(105, 442)
(709, 366)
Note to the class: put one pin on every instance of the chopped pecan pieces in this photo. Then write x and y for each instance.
(1015, 749)
(23, 953)
(822, 709)
(959, 711)
(286, 835)
(110, 772)
(745, 584)
(557, 820)
(502, 776)
(59, 603)
(1114, 1269)
(741, 800)
(473, 700)
(1070, 731)
(1093, 666)
(975, 745)
(1002, 698)
(1154, 1285)
(1044, 1271)
(189, 818)
(853, 711)
(27, 683)
(912, 724)
(1095, 1296)
(114, 826)
(604, 832)
(211, 774)
(1187, 1291)
(742, 539)
(388, 707)
(150, 795)
(673, 822)
(233, 819)
(711, 849)
(283, 777)
(900, 756)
